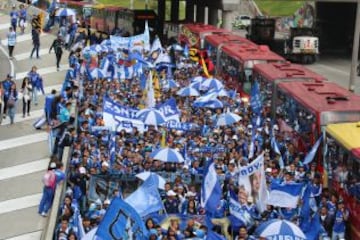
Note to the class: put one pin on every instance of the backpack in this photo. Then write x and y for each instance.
(49, 179)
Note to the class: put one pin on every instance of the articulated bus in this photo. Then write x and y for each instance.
(214, 43)
(238, 60)
(193, 34)
(304, 109)
(343, 152)
(271, 74)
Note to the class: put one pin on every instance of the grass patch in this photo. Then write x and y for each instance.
(279, 8)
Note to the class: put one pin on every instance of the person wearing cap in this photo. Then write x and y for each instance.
(57, 45)
(341, 217)
(171, 202)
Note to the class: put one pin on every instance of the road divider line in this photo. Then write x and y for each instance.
(23, 169)
(20, 203)
(24, 140)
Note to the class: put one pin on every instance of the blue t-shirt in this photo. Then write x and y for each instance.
(339, 223)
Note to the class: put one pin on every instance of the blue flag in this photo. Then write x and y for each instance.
(211, 192)
(255, 100)
(121, 221)
(316, 228)
(310, 156)
(211, 235)
(146, 199)
(275, 147)
(112, 147)
(284, 195)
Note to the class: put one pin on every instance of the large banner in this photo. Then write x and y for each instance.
(102, 187)
(118, 117)
(252, 182)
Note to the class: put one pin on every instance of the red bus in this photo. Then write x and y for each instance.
(214, 43)
(304, 109)
(269, 75)
(193, 34)
(342, 161)
(237, 61)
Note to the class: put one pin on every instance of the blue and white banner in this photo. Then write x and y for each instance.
(102, 187)
(237, 211)
(169, 110)
(121, 221)
(137, 42)
(119, 117)
(211, 192)
(310, 156)
(285, 195)
(172, 124)
(252, 179)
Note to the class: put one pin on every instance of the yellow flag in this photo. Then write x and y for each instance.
(163, 138)
(204, 67)
(156, 85)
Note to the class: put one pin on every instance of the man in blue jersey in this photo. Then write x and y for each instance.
(341, 217)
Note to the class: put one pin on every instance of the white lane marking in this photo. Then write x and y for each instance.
(27, 236)
(20, 203)
(5, 26)
(26, 55)
(26, 168)
(22, 38)
(42, 71)
(35, 114)
(19, 117)
(24, 140)
(12, 67)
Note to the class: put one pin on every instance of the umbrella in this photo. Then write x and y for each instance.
(167, 155)
(280, 229)
(198, 79)
(151, 116)
(64, 12)
(213, 83)
(170, 84)
(214, 103)
(145, 175)
(222, 92)
(97, 73)
(227, 119)
(188, 91)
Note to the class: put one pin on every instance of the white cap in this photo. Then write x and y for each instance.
(235, 137)
(250, 199)
(105, 164)
(171, 193)
(107, 201)
(52, 165)
(98, 202)
(268, 170)
(82, 170)
(249, 126)
(190, 194)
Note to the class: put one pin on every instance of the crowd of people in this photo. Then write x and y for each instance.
(230, 148)
(227, 146)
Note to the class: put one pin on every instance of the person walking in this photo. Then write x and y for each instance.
(11, 36)
(49, 181)
(26, 90)
(6, 86)
(35, 32)
(1, 101)
(37, 84)
(14, 15)
(57, 46)
(22, 18)
(11, 103)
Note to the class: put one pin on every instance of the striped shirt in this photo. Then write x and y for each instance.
(11, 38)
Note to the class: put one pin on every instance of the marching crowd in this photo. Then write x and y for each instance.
(227, 146)
(230, 148)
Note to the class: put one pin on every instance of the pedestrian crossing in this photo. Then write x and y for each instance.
(24, 154)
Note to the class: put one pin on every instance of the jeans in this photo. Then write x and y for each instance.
(11, 50)
(338, 236)
(35, 48)
(35, 95)
(26, 106)
(11, 112)
(46, 199)
(58, 59)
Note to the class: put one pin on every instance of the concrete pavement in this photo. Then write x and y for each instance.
(24, 153)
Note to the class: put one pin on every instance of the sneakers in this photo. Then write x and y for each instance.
(57, 69)
(44, 214)
(28, 114)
